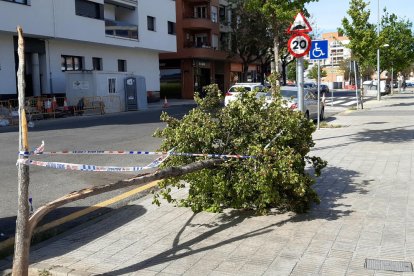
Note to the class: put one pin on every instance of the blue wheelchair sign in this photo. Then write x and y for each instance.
(319, 49)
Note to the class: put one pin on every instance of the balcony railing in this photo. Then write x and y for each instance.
(132, 4)
(121, 29)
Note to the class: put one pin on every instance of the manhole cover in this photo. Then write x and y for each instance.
(397, 266)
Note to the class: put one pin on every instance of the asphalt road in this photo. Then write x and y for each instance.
(122, 131)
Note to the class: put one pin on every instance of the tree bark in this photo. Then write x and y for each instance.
(276, 52)
(22, 237)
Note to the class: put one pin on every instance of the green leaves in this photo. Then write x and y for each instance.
(277, 176)
(361, 33)
(397, 33)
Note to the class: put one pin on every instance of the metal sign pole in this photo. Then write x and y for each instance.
(319, 94)
(301, 102)
(356, 85)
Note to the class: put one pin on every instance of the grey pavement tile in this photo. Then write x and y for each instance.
(143, 273)
(329, 271)
(251, 269)
(336, 263)
(167, 274)
(230, 266)
(387, 273)
(206, 264)
(222, 273)
(360, 272)
(345, 245)
(342, 254)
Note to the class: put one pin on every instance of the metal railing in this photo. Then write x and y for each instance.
(121, 29)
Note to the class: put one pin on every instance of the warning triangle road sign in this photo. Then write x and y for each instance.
(300, 25)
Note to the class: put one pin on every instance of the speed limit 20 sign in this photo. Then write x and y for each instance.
(299, 45)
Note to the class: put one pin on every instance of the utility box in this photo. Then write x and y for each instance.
(97, 86)
(135, 93)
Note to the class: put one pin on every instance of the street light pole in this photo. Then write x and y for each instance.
(378, 59)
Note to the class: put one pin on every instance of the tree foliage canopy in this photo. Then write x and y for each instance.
(276, 176)
(251, 39)
(313, 73)
(278, 14)
(397, 33)
(363, 39)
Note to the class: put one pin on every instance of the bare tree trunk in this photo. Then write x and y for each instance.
(22, 239)
(276, 53)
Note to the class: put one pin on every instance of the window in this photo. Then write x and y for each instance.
(111, 85)
(171, 28)
(97, 63)
(71, 63)
(222, 14)
(200, 12)
(151, 23)
(214, 41)
(214, 14)
(89, 9)
(122, 65)
(201, 40)
(25, 2)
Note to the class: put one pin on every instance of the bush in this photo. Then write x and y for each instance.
(277, 138)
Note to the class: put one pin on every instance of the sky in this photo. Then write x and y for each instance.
(327, 14)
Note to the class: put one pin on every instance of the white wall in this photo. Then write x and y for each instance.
(65, 33)
(34, 19)
(7, 69)
(139, 62)
(163, 11)
(57, 18)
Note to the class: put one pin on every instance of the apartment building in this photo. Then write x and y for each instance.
(203, 36)
(81, 35)
(338, 52)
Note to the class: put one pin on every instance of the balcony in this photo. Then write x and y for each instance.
(121, 29)
(129, 4)
(199, 23)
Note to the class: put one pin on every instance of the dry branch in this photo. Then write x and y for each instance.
(143, 179)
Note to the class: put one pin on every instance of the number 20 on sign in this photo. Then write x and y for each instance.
(299, 45)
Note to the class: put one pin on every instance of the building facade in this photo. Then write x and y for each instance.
(203, 37)
(77, 35)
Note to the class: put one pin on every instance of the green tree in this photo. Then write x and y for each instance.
(397, 33)
(363, 39)
(275, 176)
(313, 73)
(250, 37)
(279, 14)
(291, 74)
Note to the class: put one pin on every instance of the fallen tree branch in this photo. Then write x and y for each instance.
(141, 179)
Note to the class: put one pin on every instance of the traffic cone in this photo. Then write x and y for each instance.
(48, 106)
(39, 104)
(65, 105)
(166, 104)
(54, 103)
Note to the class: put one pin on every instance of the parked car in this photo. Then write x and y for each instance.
(311, 86)
(238, 88)
(290, 94)
(324, 88)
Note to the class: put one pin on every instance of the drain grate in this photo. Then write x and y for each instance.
(397, 266)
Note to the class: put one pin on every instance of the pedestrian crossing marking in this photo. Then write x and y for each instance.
(350, 103)
(337, 102)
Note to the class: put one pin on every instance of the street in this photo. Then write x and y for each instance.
(121, 131)
(362, 226)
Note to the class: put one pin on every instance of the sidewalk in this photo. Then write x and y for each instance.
(366, 212)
